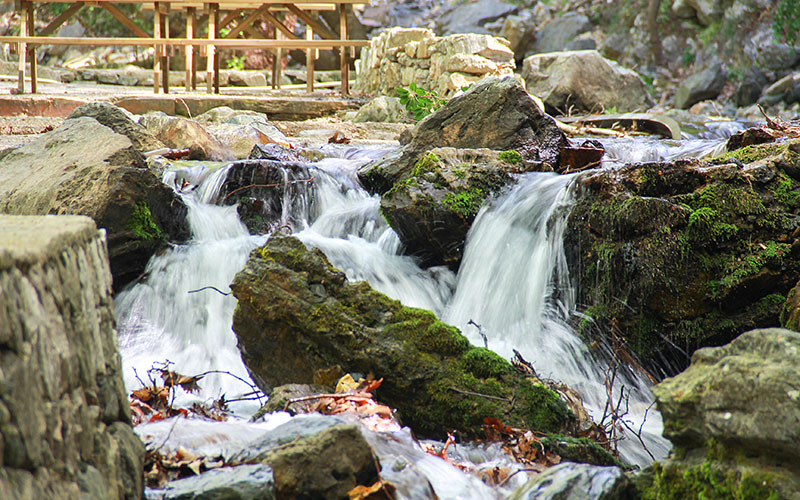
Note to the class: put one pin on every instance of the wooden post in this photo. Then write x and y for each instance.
(32, 47)
(165, 61)
(213, 19)
(276, 64)
(157, 54)
(22, 48)
(343, 53)
(216, 59)
(311, 55)
(194, 59)
(190, 17)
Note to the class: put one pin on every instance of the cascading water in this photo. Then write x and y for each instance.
(513, 281)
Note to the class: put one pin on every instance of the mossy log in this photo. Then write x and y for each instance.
(297, 315)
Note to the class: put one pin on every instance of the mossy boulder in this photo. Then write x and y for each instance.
(433, 207)
(676, 256)
(734, 419)
(298, 315)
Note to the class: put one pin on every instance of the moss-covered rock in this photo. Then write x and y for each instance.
(677, 256)
(297, 315)
(734, 419)
(433, 207)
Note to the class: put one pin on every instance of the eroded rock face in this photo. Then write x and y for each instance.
(399, 57)
(183, 133)
(584, 81)
(298, 315)
(678, 256)
(65, 423)
(734, 418)
(84, 167)
(119, 120)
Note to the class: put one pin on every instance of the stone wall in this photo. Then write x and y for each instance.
(65, 429)
(402, 56)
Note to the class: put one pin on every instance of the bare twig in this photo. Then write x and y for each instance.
(266, 186)
(338, 395)
(211, 287)
(470, 393)
(480, 332)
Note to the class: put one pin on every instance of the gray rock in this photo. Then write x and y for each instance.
(382, 109)
(247, 78)
(770, 53)
(736, 412)
(121, 122)
(225, 114)
(749, 89)
(584, 81)
(64, 418)
(466, 17)
(244, 482)
(241, 139)
(86, 168)
(324, 466)
(183, 133)
(556, 34)
(571, 481)
(701, 86)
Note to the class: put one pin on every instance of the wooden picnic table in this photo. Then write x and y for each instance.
(239, 16)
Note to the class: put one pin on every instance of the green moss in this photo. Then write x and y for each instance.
(705, 225)
(709, 481)
(427, 333)
(741, 267)
(465, 203)
(785, 192)
(512, 157)
(542, 408)
(484, 363)
(142, 225)
(427, 163)
(750, 154)
(580, 450)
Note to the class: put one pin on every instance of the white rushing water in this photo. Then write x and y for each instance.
(513, 281)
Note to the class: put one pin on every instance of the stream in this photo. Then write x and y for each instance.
(513, 282)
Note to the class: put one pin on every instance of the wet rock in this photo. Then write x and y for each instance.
(121, 122)
(324, 466)
(280, 396)
(434, 207)
(399, 57)
(183, 133)
(570, 481)
(734, 418)
(471, 17)
(64, 416)
(382, 109)
(288, 332)
(749, 89)
(58, 174)
(786, 89)
(242, 138)
(243, 482)
(749, 137)
(697, 252)
(584, 81)
(556, 34)
(706, 84)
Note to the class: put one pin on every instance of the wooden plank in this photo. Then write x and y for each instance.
(32, 48)
(315, 24)
(62, 18)
(230, 17)
(179, 42)
(164, 20)
(22, 48)
(311, 55)
(234, 32)
(344, 63)
(191, 16)
(124, 20)
(279, 25)
(213, 18)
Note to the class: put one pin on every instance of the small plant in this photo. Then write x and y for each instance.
(236, 62)
(787, 21)
(419, 102)
(688, 57)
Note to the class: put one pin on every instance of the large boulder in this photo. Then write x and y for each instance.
(183, 133)
(399, 57)
(677, 256)
(470, 17)
(65, 425)
(84, 167)
(734, 419)
(701, 86)
(433, 209)
(121, 122)
(559, 32)
(297, 315)
(584, 81)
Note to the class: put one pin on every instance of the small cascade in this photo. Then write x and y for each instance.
(514, 283)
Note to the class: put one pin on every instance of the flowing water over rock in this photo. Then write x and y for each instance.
(514, 282)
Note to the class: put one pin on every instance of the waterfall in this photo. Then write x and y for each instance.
(513, 281)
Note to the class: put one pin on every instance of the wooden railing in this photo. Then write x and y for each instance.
(243, 13)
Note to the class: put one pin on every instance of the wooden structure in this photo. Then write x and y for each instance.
(237, 16)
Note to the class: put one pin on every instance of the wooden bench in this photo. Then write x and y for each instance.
(27, 40)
